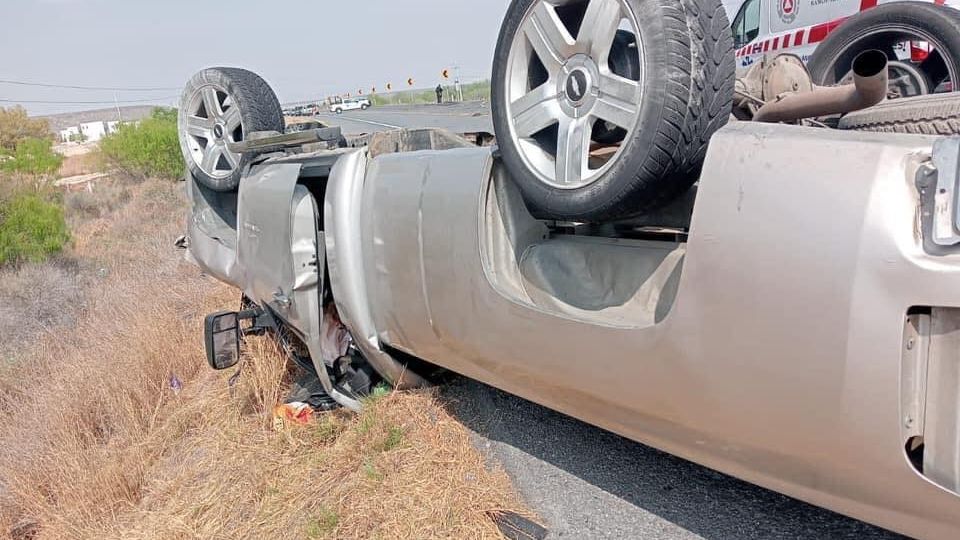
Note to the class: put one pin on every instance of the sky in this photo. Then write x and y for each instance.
(305, 49)
(732, 6)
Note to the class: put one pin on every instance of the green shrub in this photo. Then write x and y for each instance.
(33, 156)
(31, 228)
(148, 149)
(165, 114)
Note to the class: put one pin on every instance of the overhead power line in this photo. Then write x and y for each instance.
(111, 102)
(75, 87)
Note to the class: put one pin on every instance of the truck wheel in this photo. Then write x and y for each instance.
(886, 26)
(585, 135)
(937, 114)
(221, 105)
(339, 110)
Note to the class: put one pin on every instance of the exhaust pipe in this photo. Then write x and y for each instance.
(869, 88)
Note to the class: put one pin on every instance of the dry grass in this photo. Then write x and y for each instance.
(37, 298)
(96, 443)
(81, 163)
(98, 199)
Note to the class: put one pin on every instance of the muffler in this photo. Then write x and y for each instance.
(869, 88)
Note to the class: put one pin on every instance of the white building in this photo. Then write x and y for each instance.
(90, 131)
(70, 134)
(93, 131)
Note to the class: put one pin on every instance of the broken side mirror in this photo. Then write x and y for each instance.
(221, 332)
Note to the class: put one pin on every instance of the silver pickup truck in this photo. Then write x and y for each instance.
(793, 319)
(804, 335)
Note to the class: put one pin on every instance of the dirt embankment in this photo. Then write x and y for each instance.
(110, 426)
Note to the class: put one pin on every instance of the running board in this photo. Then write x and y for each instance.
(260, 141)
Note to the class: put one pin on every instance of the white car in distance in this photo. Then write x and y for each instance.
(339, 105)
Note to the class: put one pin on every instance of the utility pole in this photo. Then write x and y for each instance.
(117, 104)
(456, 81)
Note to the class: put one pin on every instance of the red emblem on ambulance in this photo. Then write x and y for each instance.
(787, 9)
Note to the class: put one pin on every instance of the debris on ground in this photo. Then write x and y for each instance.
(286, 414)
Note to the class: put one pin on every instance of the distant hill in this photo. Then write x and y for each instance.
(65, 120)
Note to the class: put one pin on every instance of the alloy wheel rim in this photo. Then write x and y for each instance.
(213, 120)
(904, 80)
(560, 83)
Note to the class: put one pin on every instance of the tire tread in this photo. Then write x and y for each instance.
(259, 109)
(937, 114)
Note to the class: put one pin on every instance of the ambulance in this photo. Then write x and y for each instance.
(921, 38)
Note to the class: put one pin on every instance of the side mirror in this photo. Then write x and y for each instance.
(221, 333)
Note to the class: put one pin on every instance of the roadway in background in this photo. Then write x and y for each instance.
(456, 117)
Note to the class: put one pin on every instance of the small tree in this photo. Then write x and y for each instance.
(16, 125)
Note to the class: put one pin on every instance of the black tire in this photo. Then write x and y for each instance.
(940, 24)
(937, 114)
(364, 107)
(688, 92)
(258, 107)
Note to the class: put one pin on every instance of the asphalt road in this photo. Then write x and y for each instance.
(588, 483)
(456, 117)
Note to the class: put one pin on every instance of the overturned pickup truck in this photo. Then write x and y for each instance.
(791, 321)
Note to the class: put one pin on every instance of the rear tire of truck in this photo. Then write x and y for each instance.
(937, 114)
(884, 26)
(221, 105)
(557, 100)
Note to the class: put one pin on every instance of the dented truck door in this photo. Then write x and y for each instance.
(278, 248)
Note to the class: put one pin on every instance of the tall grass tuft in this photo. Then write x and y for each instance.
(147, 149)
